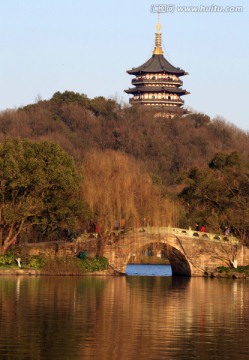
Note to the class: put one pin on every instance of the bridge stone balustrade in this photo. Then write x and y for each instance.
(188, 233)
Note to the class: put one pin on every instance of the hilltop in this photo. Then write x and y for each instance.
(167, 147)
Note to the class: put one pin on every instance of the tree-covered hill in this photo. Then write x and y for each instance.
(167, 147)
(178, 171)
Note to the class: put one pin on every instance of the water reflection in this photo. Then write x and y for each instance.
(123, 318)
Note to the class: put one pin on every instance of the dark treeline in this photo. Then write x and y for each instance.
(167, 149)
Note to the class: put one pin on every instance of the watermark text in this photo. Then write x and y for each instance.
(171, 8)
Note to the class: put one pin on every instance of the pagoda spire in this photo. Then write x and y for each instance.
(158, 40)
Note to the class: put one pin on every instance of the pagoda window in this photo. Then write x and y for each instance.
(169, 97)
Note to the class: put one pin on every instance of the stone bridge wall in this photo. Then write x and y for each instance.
(188, 256)
(61, 248)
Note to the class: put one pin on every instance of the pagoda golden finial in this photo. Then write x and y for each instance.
(158, 41)
(158, 26)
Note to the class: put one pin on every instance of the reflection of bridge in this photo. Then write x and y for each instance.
(190, 252)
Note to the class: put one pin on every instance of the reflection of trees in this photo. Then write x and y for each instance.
(40, 317)
(119, 318)
(169, 317)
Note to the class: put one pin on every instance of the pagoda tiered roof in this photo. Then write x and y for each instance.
(157, 64)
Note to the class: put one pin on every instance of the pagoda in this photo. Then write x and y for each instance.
(157, 83)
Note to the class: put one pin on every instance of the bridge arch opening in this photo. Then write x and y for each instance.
(179, 263)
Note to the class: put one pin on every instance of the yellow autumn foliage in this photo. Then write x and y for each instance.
(118, 188)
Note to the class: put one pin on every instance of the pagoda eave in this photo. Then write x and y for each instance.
(140, 72)
(173, 104)
(162, 81)
(156, 89)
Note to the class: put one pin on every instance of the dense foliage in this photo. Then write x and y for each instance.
(38, 186)
(218, 195)
(199, 161)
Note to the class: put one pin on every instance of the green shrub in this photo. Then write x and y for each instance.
(221, 269)
(95, 264)
(35, 262)
(231, 270)
(7, 259)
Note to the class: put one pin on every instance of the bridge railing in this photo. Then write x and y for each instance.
(167, 230)
(188, 233)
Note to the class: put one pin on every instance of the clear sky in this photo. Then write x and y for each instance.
(87, 46)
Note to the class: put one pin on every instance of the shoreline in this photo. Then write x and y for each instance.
(110, 272)
(234, 275)
(34, 272)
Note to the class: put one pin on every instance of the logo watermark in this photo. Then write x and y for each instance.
(171, 8)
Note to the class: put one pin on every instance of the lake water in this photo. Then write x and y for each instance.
(124, 318)
(149, 270)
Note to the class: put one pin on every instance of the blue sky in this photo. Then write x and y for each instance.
(87, 46)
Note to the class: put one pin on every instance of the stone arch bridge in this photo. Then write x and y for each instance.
(190, 253)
